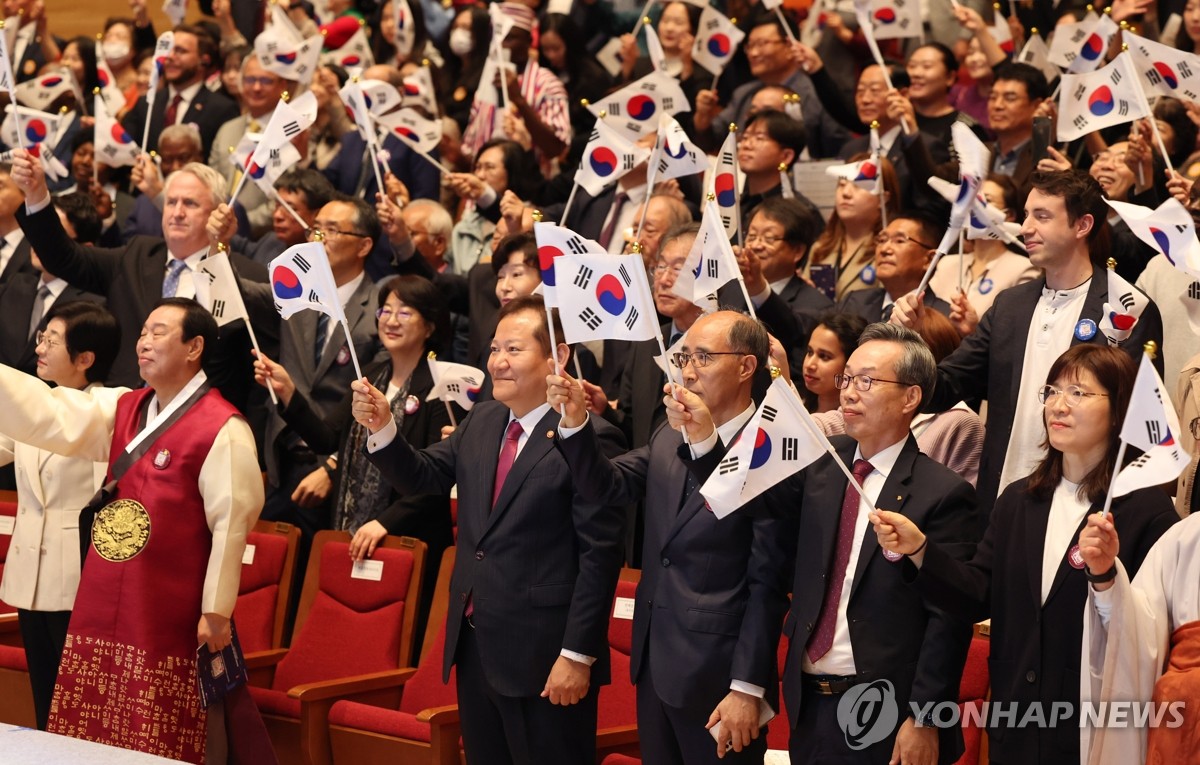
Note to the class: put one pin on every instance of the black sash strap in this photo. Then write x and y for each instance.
(87, 516)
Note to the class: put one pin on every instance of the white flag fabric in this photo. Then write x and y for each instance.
(1150, 425)
(1002, 32)
(865, 174)
(663, 362)
(406, 30)
(607, 157)
(1089, 55)
(553, 242)
(725, 186)
(108, 85)
(419, 93)
(1036, 54)
(290, 59)
(454, 382)
(279, 161)
(717, 40)
(219, 291)
(8, 83)
(1123, 309)
(279, 20)
(634, 110)
(974, 162)
(301, 280)
(380, 97)
(176, 10)
(710, 263)
(409, 124)
(162, 51)
(1168, 229)
(1164, 70)
(113, 146)
(1100, 99)
(36, 127)
(985, 220)
(654, 49)
(356, 106)
(894, 19)
(43, 90)
(354, 55)
(285, 124)
(678, 156)
(774, 445)
(603, 297)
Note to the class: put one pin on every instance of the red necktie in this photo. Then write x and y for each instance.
(821, 639)
(172, 110)
(508, 455)
(611, 228)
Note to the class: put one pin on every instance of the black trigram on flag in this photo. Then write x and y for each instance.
(590, 318)
(110, 150)
(614, 109)
(1153, 76)
(712, 24)
(1194, 290)
(583, 278)
(624, 275)
(649, 87)
(313, 297)
(272, 47)
(291, 129)
(727, 158)
(770, 413)
(726, 220)
(594, 136)
(1080, 122)
(1124, 109)
(452, 387)
(627, 161)
(1079, 91)
(299, 262)
(218, 309)
(1153, 432)
(714, 269)
(1116, 76)
(668, 104)
(727, 465)
(1184, 69)
(576, 245)
(791, 449)
(1127, 300)
(631, 318)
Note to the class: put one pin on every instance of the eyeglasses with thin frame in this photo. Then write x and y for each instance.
(386, 314)
(330, 233)
(661, 267)
(769, 42)
(1073, 394)
(863, 383)
(44, 338)
(899, 240)
(768, 241)
(699, 359)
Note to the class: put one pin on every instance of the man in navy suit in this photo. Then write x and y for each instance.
(713, 591)
(537, 563)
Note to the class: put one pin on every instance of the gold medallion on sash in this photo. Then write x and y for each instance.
(121, 530)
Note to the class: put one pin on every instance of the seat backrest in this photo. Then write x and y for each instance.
(975, 677)
(617, 702)
(352, 619)
(8, 517)
(425, 689)
(266, 584)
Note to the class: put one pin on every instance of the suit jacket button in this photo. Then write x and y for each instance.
(479, 555)
(666, 562)
(1031, 676)
(463, 597)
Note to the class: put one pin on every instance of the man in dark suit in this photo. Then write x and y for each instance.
(713, 591)
(134, 278)
(14, 249)
(853, 618)
(26, 299)
(184, 99)
(903, 252)
(1017, 91)
(537, 564)
(1006, 359)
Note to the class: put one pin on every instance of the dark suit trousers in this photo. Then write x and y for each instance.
(508, 730)
(672, 736)
(818, 737)
(44, 634)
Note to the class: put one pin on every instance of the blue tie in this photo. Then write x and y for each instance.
(171, 283)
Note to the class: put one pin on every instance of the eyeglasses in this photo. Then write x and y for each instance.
(330, 233)
(769, 43)
(899, 240)
(45, 339)
(1072, 394)
(769, 241)
(699, 359)
(264, 82)
(862, 382)
(1113, 157)
(661, 268)
(385, 314)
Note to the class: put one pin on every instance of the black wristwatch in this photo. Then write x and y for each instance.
(1107, 576)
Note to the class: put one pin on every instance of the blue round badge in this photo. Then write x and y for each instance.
(986, 285)
(1085, 330)
(867, 275)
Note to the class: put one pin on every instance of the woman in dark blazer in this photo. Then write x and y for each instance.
(412, 320)
(1028, 574)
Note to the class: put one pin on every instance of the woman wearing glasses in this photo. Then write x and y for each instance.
(412, 320)
(1028, 574)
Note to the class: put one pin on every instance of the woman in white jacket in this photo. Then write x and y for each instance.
(41, 574)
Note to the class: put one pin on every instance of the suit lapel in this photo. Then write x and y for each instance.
(891, 497)
(152, 276)
(537, 446)
(677, 477)
(1093, 306)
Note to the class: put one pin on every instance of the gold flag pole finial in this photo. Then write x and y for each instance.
(1151, 349)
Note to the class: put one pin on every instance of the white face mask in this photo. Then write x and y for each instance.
(461, 42)
(115, 51)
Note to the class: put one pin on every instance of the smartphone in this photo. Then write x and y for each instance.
(1041, 138)
(824, 278)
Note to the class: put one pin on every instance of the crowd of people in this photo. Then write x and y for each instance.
(977, 396)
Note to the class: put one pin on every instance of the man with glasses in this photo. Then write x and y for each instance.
(713, 592)
(1030, 325)
(903, 252)
(854, 619)
(770, 140)
(1017, 92)
(306, 190)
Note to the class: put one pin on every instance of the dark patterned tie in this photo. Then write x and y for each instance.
(821, 639)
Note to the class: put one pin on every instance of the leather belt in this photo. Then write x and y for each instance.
(829, 685)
